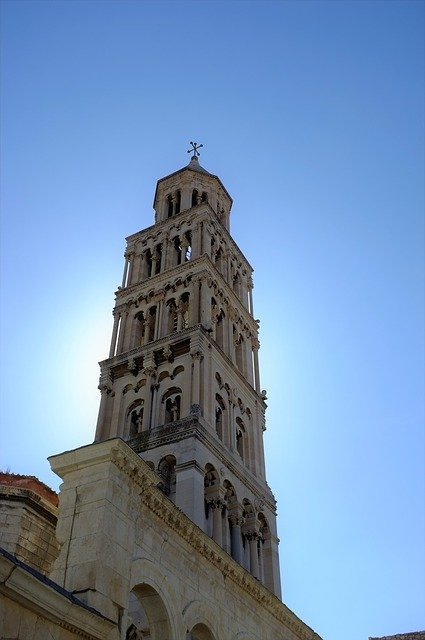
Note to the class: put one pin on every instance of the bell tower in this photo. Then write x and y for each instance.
(181, 384)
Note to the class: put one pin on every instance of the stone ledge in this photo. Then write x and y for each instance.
(31, 589)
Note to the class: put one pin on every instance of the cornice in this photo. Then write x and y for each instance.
(193, 268)
(172, 339)
(171, 516)
(138, 473)
(192, 214)
(193, 426)
(31, 499)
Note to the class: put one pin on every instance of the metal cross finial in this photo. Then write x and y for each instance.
(194, 149)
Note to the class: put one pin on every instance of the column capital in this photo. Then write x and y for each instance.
(149, 371)
(216, 503)
(236, 520)
(252, 535)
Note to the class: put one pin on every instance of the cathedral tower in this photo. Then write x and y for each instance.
(181, 385)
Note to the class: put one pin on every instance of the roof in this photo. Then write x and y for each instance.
(195, 167)
(414, 635)
(29, 482)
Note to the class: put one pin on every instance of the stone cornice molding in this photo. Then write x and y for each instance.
(171, 516)
(31, 499)
(192, 425)
(140, 475)
(200, 269)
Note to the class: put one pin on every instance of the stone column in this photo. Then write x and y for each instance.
(158, 318)
(150, 373)
(253, 537)
(194, 302)
(102, 432)
(248, 361)
(196, 376)
(114, 334)
(250, 288)
(205, 302)
(163, 265)
(216, 505)
(206, 247)
(231, 426)
(255, 347)
(154, 406)
(124, 277)
(186, 198)
(124, 314)
(260, 559)
(236, 537)
(196, 241)
(130, 269)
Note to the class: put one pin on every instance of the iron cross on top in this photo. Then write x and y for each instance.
(194, 149)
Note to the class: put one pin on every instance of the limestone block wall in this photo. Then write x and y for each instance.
(131, 553)
(28, 515)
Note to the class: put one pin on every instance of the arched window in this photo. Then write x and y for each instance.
(200, 632)
(204, 197)
(184, 310)
(135, 418)
(178, 201)
(169, 206)
(220, 409)
(172, 401)
(211, 477)
(151, 321)
(167, 473)
(148, 258)
(177, 250)
(195, 197)
(238, 344)
(172, 316)
(156, 258)
(172, 409)
(218, 259)
(186, 246)
(147, 615)
(219, 330)
(240, 438)
(139, 329)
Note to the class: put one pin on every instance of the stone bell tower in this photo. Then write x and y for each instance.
(181, 384)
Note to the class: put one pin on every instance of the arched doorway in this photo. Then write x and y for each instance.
(147, 615)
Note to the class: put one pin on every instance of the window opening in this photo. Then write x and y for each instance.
(149, 263)
(172, 409)
(178, 201)
(157, 258)
(170, 206)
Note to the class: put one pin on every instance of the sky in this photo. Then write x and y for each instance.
(312, 115)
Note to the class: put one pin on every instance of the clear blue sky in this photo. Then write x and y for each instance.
(312, 114)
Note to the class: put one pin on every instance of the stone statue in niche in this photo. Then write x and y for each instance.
(174, 411)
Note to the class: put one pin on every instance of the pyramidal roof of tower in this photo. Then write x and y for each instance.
(196, 167)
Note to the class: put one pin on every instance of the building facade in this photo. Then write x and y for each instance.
(166, 525)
